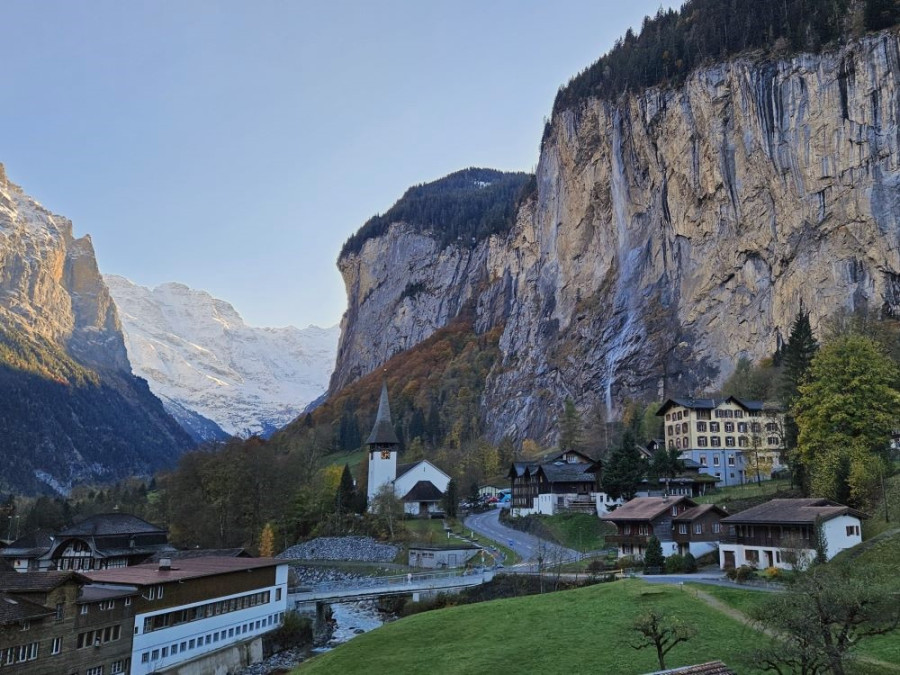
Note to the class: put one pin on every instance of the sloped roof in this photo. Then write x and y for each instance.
(106, 524)
(711, 668)
(383, 431)
(97, 592)
(423, 491)
(403, 469)
(697, 511)
(692, 403)
(559, 472)
(14, 609)
(792, 512)
(199, 553)
(34, 582)
(646, 508)
(31, 545)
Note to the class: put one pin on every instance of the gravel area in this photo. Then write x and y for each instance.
(283, 662)
(363, 549)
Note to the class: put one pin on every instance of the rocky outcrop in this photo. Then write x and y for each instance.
(205, 363)
(71, 410)
(671, 232)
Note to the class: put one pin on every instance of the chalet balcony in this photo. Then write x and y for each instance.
(633, 539)
(580, 504)
(765, 541)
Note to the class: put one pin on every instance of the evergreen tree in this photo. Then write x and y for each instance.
(796, 356)
(625, 469)
(450, 502)
(346, 492)
(666, 464)
(570, 427)
(654, 560)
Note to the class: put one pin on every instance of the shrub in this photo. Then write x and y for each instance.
(597, 565)
(744, 573)
(731, 573)
(627, 562)
(296, 631)
(675, 564)
(772, 573)
(690, 563)
(654, 561)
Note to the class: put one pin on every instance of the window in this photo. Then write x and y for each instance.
(165, 652)
(714, 427)
(626, 529)
(671, 430)
(730, 460)
(772, 440)
(717, 527)
(702, 441)
(145, 657)
(742, 441)
(117, 667)
(107, 604)
(771, 426)
(96, 670)
(755, 427)
(56, 646)
(701, 426)
(703, 457)
(674, 510)
(852, 530)
(60, 611)
(715, 441)
(742, 427)
(128, 602)
(678, 443)
(684, 442)
(84, 609)
(682, 528)
(729, 427)
(729, 441)
(679, 415)
(715, 458)
(738, 413)
(191, 644)
(277, 594)
(642, 529)
(698, 528)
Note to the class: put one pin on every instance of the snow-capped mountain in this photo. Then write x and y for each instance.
(200, 357)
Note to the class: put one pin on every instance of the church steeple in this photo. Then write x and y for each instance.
(383, 432)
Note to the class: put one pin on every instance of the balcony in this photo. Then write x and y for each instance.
(633, 539)
(763, 540)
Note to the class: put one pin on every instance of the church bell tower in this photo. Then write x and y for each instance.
(383, 445)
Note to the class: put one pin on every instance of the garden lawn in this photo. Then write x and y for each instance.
(580, 631)
(579, 531)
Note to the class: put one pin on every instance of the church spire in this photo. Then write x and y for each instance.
(383, 431)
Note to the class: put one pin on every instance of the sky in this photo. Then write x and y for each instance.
(234, 146)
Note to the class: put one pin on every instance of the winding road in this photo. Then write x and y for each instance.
(533, 550)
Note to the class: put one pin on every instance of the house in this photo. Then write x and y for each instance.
(199, 609)
(564, 482)
(689, 481)
(674, 521)
(783, 533)
(735, 440)
(420, 485)
(429, 556)
(57, 622)
(97, 542)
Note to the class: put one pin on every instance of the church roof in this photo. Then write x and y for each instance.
(423, 491)
(383, 431)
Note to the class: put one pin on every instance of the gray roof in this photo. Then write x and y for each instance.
(14, 609)
(106, 524)
(566, 473)
(711, 668)
(383, 432)
(98, 592)
(34, 582)
(693, 403)
(423, 491)
(174, 554)
(697, 511)
(792, 512)
(32, 545)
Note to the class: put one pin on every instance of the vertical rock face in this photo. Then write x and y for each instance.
(70, 408)
(674, 231)
(678, 230)
(401, 287)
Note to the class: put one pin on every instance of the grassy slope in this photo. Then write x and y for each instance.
(585, 630)
(578, 531)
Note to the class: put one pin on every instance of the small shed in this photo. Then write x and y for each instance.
(441, 557)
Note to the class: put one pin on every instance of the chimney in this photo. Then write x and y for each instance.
(165, 564)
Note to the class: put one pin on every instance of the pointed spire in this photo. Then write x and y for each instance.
(383, 431)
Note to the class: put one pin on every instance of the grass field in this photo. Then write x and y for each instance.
(580, 631)
(768, 489)
(578, 531)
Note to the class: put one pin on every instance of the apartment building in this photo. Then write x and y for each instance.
(735, 440)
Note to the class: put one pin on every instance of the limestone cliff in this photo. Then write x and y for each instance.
(671, 232)
(71, 409)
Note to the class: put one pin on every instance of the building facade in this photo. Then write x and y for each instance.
(734, 440)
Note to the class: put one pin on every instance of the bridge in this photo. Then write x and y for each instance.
(416, 585)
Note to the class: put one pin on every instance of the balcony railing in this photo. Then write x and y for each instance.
(634, 539)
(762, 540)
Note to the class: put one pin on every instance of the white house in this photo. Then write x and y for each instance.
(202, 610)
(782, 533)
(421, 485)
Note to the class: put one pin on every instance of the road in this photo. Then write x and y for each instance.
(527, 546)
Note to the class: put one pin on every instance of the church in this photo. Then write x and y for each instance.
(420, 485)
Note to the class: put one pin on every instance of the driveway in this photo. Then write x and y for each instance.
(530, 548)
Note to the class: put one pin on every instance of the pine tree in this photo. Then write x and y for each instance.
(450, 501)
(654, 560)
(624, 470)
(796, 356)
(346, 492)
(570, 427)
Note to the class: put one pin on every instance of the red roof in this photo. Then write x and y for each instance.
(187, 568)
(647, 508)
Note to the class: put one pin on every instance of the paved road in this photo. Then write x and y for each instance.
(527, 546)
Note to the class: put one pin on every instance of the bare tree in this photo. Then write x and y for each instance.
(662, 632)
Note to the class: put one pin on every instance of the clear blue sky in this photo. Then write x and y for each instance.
(234, 146)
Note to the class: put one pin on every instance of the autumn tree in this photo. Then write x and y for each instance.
(823, 615)
(845, 414)
(663, 633)
(387, 509)
(267, 541)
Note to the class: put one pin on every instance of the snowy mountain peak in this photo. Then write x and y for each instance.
(199, 355)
